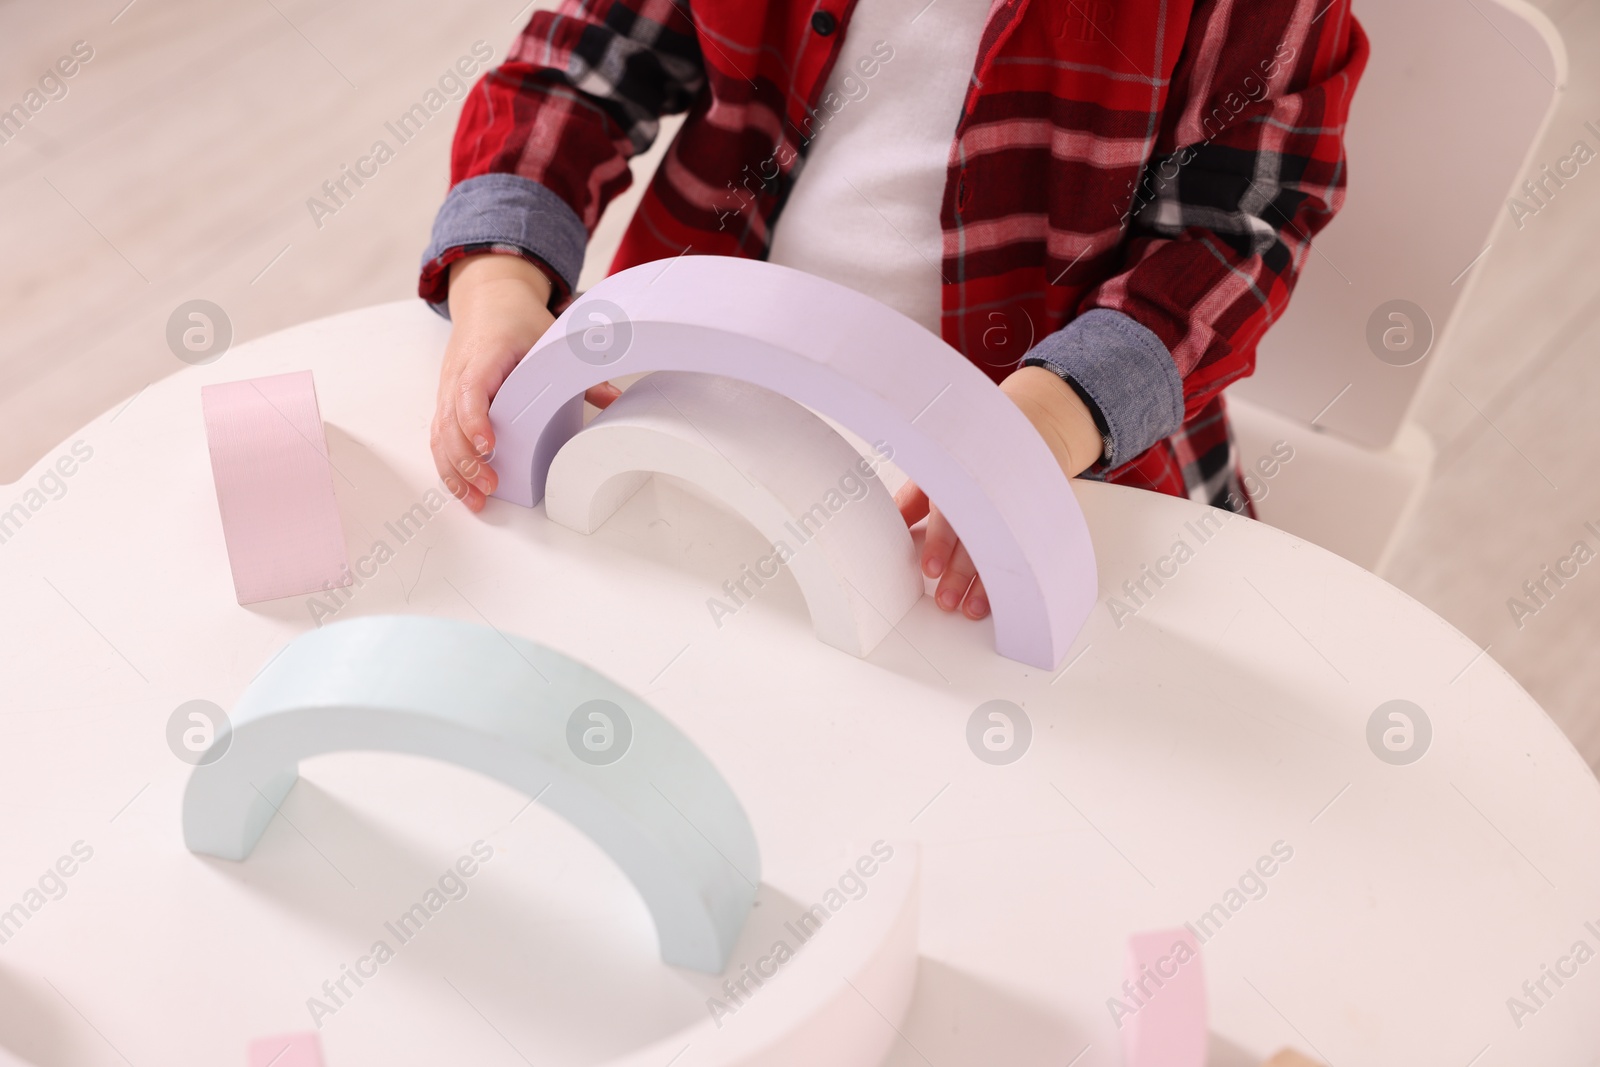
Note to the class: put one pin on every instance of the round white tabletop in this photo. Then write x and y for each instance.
(1217, 718)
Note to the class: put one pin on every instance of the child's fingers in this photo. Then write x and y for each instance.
(959, 585)
(471, 408)
(912, 502)
(458, 486)
(602, 395)
(939, 547)
(959, 577)
(498, 312)
(454, 456)
(976, 605)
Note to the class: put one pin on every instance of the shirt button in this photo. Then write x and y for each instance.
(824, 23)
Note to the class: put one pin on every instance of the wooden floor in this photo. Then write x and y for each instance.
(179, 164)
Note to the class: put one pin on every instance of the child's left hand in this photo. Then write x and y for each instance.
(1067, 426)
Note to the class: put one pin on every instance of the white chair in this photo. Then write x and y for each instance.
(1452, 105)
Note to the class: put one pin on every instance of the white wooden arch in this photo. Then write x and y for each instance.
(819, 503)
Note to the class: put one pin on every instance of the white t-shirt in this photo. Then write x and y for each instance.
(864, 210)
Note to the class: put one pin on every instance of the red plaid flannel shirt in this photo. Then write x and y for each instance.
(1165, 160)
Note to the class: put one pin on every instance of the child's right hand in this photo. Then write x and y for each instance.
(499, 306)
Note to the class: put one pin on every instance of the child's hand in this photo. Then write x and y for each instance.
(499, 306)
(1067, 426)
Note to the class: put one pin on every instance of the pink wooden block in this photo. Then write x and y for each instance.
(269, 459)
(1166, 990)
(286, 1050)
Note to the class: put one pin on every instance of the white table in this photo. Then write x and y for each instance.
(1228, 714)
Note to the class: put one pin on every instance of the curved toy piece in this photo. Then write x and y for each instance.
(851, 358)
(788, 473)
(518, 712)
(853, 968)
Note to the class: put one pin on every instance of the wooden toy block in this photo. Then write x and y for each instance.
(286, 1050)
(1165, 993)
(846, 356)
(840, 1000)
(269, 459)
(818, 502)
(1288, 1057)
(517, 712)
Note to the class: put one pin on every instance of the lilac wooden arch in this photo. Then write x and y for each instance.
(851, 358)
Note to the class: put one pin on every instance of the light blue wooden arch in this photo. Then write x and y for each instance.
(497, 704)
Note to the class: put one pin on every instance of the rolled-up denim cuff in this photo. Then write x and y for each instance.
(1125, 372)
(507, 209)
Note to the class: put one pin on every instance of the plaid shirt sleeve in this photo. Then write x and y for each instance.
(544, 139)
(1248, 164)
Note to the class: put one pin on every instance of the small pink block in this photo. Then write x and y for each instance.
(286, 1050)
(1167, 1024)
(269, 459)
